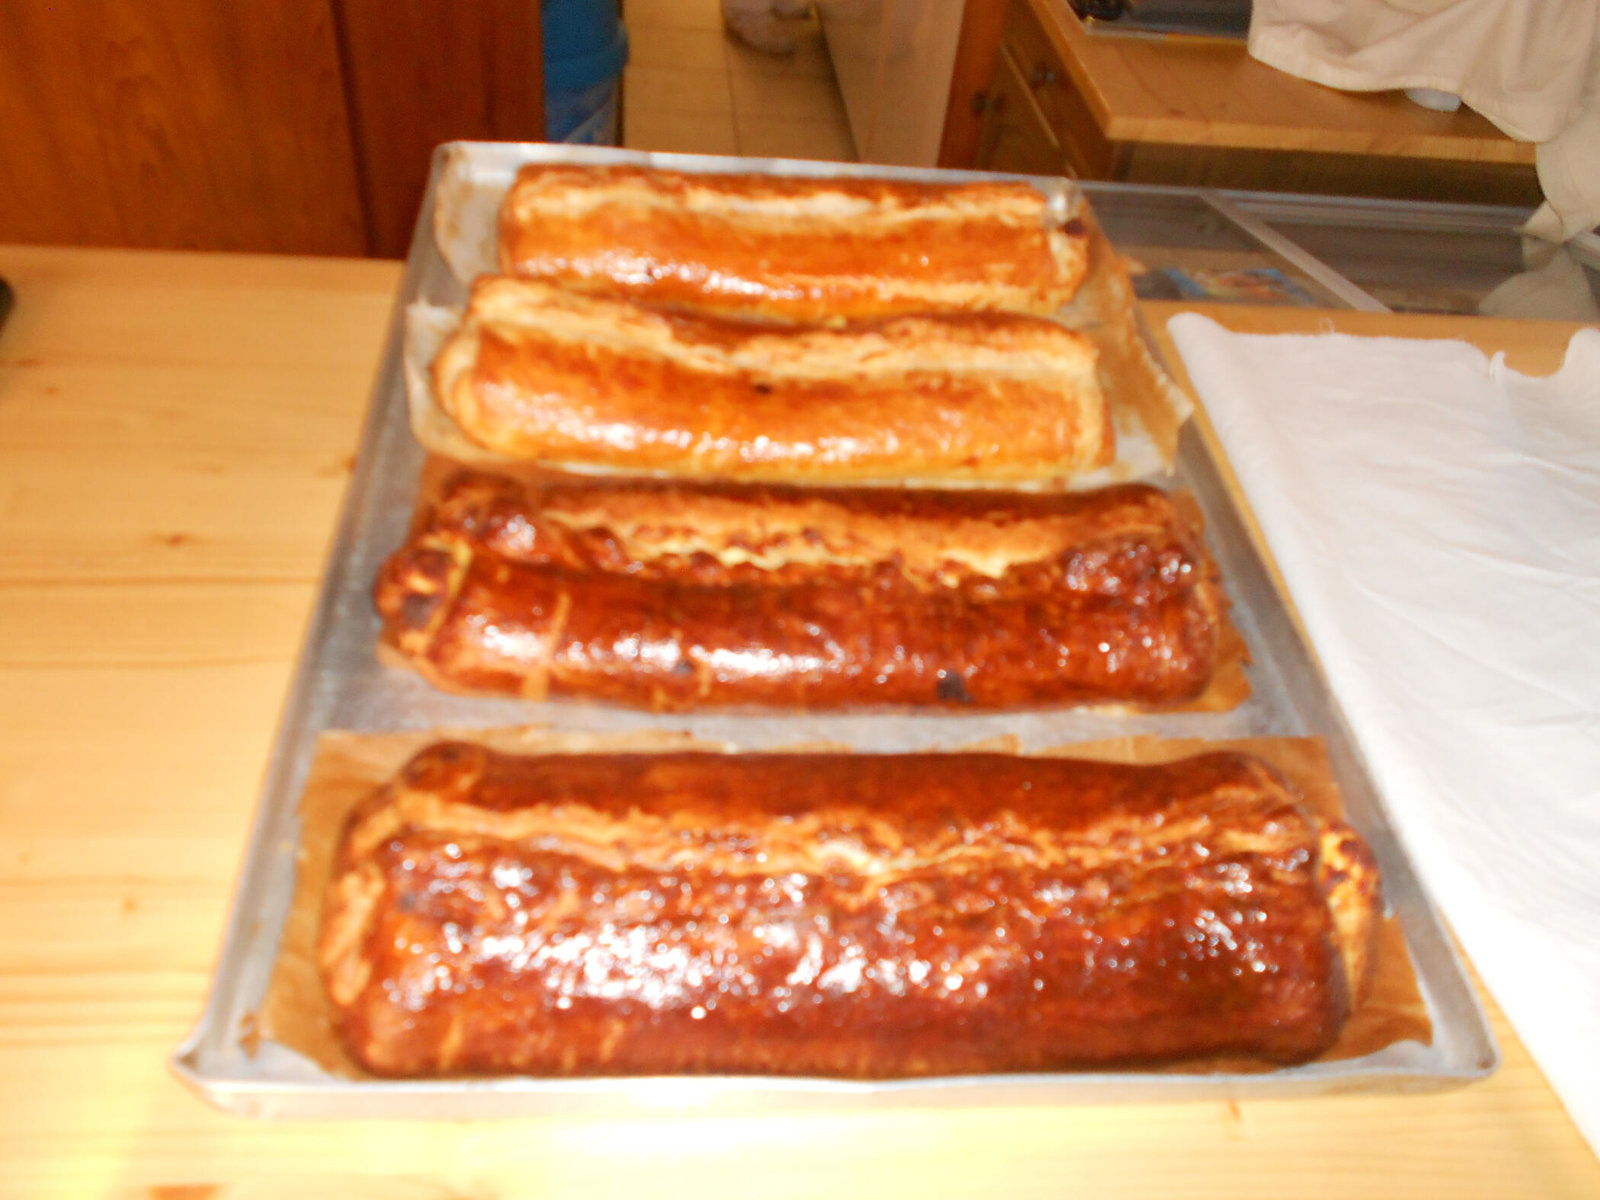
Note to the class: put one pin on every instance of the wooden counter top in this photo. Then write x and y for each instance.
(1035, 91)
(1210, 92)
(175, 435)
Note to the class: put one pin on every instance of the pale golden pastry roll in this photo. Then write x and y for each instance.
(535, 372)
(790, 248)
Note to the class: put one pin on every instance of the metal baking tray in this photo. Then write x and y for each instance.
(339, 685)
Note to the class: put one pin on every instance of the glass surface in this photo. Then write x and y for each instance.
(1440, 258)
(1409, 256)
(1180, 247)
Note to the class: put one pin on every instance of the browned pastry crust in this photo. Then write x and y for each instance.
(670, 597)
(791, 249)
(536, 372)
(842, 915)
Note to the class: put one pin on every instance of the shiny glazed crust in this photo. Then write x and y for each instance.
(537, 372)
(671, 597)
(791, 249)
(860, 916)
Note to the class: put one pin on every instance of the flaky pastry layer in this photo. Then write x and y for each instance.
(862, 916)
(537, 372)
(791, 248)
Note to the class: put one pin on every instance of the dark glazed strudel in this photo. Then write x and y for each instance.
(861, 916)
(671, 597)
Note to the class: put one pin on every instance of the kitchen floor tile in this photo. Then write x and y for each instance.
(791, 97)
(810, 56)
(691, 88)
(677, 90)
(684, 133)
(781, 137)
(663, 46)
(673, 14)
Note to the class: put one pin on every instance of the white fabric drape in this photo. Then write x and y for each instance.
(1437, 518)
(1530, 66)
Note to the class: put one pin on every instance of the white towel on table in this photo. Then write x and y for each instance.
(1437, 518)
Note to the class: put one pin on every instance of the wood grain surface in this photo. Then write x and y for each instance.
(175, 435)
(1209, 91)
(208, 124)
(971, 77)
(427, 72)
(176, 123)
(1201, 112)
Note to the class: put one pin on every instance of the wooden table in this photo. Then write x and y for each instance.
(1201, 112)
(175, 435)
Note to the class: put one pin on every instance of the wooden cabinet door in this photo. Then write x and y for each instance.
(1060, 106)
(184, 124)
(1015, 136)
(421, 72)
(298, 128)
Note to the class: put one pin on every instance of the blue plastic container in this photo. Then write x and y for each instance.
(585, 49)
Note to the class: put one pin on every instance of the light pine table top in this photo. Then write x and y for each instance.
(176, 432)
(1199, 91)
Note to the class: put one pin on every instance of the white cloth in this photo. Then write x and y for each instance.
(1530, 66)
(1569, 167)
(1553, 287)
(1437, 518)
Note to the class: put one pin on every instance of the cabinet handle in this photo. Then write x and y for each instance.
(1042, 75)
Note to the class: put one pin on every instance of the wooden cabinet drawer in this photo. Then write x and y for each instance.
(1016, 137)
(1040, 71)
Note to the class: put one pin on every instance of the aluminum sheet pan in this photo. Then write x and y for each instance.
(339, 684)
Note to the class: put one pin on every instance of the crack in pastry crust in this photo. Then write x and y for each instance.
(863, 916)
(792, 249)
(670, 597)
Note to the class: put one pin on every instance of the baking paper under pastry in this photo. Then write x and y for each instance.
(349, 767)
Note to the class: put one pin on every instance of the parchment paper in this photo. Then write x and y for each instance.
(349, 766)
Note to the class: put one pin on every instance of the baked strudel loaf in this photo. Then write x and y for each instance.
(860, 916)
(672, 597)
(539, 373)
(795, 249)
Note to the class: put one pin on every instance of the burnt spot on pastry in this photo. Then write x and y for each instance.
(952, 688)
